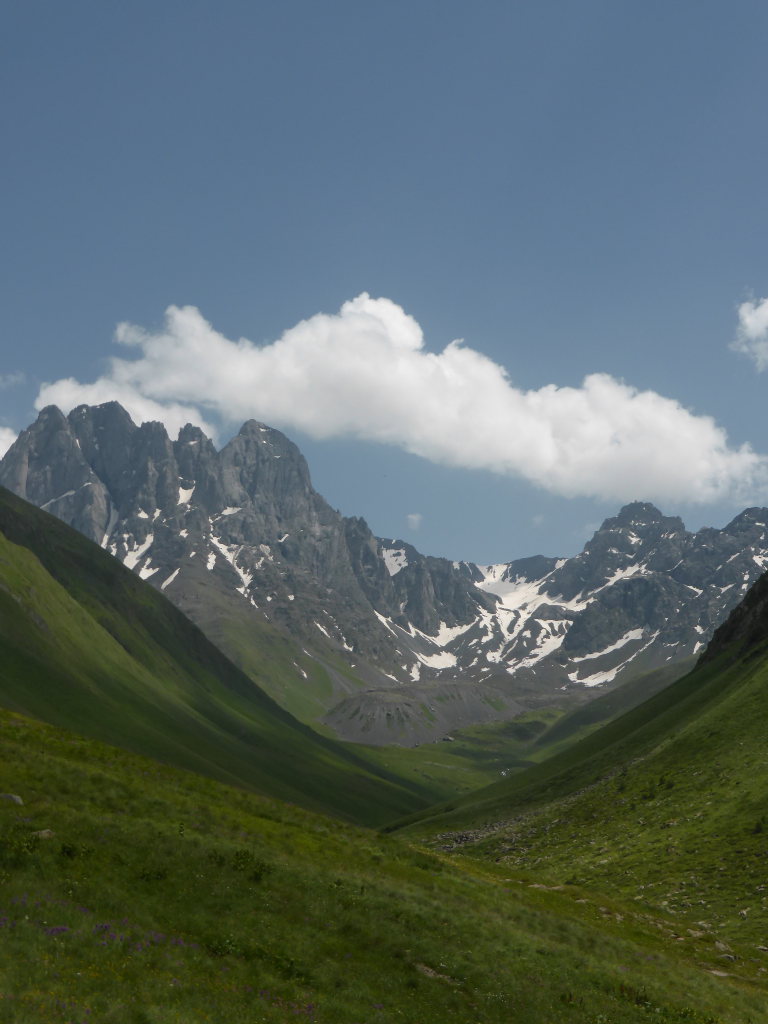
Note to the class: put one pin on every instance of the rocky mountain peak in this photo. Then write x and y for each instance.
(45, 460)
(104, 434)
(642, 517)
(49, 418)
(240, 536)
(190, 434)
(749, 519)
(259, 464)
(637, 513)
(110, 416)
(256, 427)
(639, 532)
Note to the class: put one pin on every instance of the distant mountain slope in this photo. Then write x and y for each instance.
(397, 646)
(86, 644)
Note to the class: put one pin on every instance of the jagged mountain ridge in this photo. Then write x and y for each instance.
(243, 525)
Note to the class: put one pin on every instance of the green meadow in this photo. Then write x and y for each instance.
(163, 896)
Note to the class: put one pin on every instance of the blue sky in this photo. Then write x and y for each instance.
(573, 189)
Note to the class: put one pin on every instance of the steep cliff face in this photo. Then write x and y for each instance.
(47, 466)
(239, 537)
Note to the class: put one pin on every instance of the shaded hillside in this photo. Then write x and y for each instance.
(86, 644)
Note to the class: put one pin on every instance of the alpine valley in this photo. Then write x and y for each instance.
(366, 638)
(176, 849)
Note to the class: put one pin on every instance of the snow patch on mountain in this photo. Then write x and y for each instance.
(442, 660)
(170, 579)
(231, 552)
(384, 621)
(632, 634)
(552, 636)
(395, 559)
(110, 527)
(447, 634)
(607, 676)
(133, 557)
(60, 497)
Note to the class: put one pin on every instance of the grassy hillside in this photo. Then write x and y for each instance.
(588, 717)
(155, 896)
(88, 645)
(665, 807)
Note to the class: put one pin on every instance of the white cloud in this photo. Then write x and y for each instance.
(414, 520)
(752, 334)
(7, 437)
(365, 373)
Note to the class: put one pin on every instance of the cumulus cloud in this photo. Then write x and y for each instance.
(414, 520)
(7, 437)
(752, 334)
(365, 373)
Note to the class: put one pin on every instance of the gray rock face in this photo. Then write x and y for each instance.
(241, 533)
